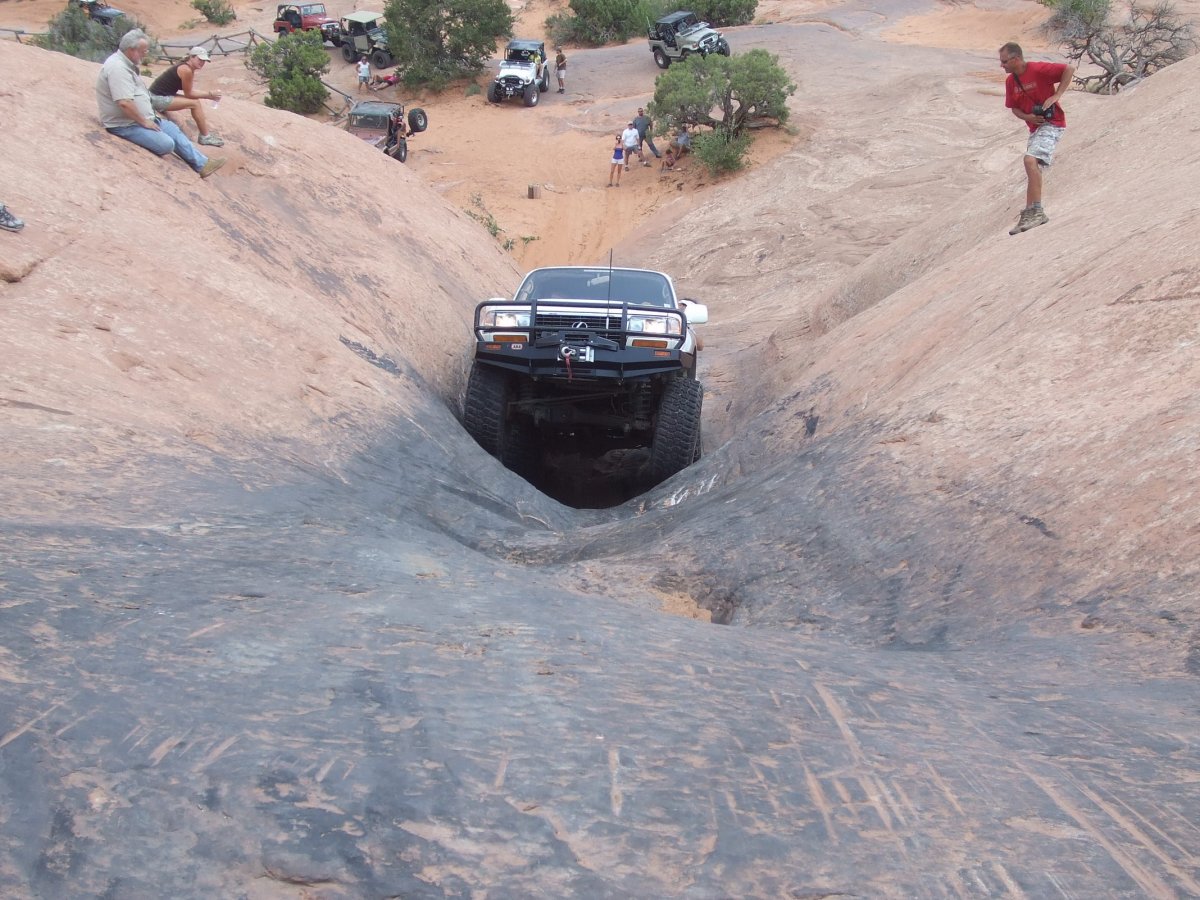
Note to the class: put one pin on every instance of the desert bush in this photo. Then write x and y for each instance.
(721, 151)
(593, 23)
(437, 41)
(291, 67)
(725, 12)
(73, 32)
(722, 92)
(218, 12)
(1147, 39)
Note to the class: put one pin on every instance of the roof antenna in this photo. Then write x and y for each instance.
(610, 259)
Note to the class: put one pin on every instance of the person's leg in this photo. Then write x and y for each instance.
(182, 146)
(1033, 187)
(650, 144)
(157, 142)
(195, 107)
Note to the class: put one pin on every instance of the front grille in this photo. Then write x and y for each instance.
(598, 324)
(511, 81)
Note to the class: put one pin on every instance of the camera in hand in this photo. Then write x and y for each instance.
(1046, 112)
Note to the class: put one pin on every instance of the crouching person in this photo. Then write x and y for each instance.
(127, 112)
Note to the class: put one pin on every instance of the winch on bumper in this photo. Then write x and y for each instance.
(572, 340)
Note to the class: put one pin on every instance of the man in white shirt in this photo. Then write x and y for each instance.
(631, 141)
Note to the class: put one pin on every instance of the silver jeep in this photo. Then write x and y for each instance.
(679, 35)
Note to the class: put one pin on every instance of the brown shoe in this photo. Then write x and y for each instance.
(211, 166)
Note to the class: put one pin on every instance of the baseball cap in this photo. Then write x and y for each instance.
(199, 53)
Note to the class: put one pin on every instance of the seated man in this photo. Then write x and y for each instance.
(682, 143)
(126, 110)
(164, 94)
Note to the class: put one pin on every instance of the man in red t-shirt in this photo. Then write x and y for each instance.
(1032, 92)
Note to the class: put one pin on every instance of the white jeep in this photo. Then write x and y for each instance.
(524, 72)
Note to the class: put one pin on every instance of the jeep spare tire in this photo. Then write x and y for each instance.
(348, 52)
(417, 120)
(531, 94)
(660, 58)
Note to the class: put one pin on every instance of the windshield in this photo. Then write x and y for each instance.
(313, 9)
(616, 285)
(687, 24)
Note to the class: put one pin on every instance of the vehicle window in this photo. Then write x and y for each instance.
(644, 288)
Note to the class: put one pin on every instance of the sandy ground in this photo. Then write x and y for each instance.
(485, 157)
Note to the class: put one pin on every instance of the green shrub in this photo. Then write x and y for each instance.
(721, 151)
(436, 41)
(593, 23)
(725, 12)
(292, 66)
(218, 12)
(72, 32)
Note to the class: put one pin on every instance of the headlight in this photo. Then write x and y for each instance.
(655, 324)
(503, 318)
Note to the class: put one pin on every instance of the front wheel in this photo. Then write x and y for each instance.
(723, 48)
(660, 58)
(676, 443)
(531, 94)
(399, 150)
(493, 92)
(381, 59)
(348, 52)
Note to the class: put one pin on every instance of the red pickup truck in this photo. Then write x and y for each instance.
(291, 17)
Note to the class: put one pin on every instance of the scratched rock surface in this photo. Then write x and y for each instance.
(272, 626)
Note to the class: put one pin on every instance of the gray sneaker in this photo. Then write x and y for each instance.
(1036, 217)
(1020, 226)
(8, 221)
(212, 139)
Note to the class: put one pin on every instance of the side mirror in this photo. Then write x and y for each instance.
(695, 313)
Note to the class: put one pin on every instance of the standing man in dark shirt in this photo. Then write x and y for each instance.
(1032, 92)
(165, 94)
(644, 129)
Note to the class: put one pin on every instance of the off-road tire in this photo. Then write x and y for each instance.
(544, 82)
(511, 440)
(348, 53)
(723, 48)
(531, 94)
(381, 59)
(399, 151)
(676, 441)
(660, 58)
(485, 407)
(493, 93)
(417, 120)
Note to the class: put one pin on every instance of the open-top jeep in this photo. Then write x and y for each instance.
(382, 125)
(524, 72)
(679, 35)
(604, 357)
(290, 17)
(363, 34)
